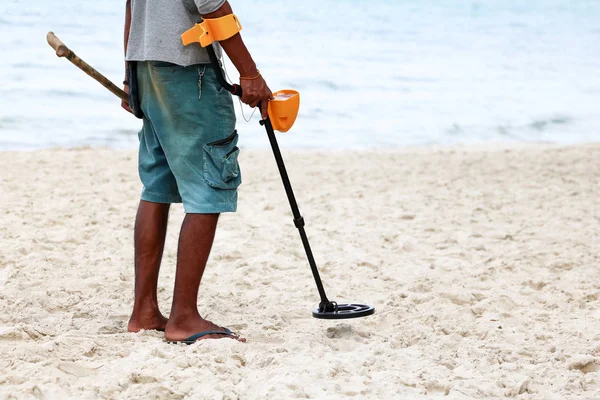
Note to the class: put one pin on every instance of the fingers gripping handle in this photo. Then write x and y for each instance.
(233, 89)
(237, 90)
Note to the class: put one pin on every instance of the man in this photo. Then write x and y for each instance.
(187, 153)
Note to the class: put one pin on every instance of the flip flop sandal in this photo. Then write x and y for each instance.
(194, 338)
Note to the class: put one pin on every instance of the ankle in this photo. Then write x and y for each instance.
(181, 316)
(145, 307)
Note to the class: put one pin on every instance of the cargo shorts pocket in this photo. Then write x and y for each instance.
(221, 168)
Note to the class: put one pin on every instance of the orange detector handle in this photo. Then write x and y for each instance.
(283, 109)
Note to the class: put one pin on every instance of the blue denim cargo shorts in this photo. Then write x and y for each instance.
(188, 143)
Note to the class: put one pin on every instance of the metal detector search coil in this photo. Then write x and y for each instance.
(343, 311)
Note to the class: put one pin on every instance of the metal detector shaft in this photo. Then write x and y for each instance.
(298, 220)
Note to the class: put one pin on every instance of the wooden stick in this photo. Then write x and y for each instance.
(63, 51)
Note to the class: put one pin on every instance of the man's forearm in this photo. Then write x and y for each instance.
(127, 25)
(254, 90)
(125, 40)
(234, 46)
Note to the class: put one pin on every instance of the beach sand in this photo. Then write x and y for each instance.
(483, 264)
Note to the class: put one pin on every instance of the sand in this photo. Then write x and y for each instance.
(483, 264)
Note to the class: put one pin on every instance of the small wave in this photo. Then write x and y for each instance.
(73, 93)
(124, 132)
(540, 125)
(401, 78)
(455, 130)
(331, 85)
(322, 84)
(506, 131)
(35, 66)
(314, 113)
(518, 25)
(9, 120)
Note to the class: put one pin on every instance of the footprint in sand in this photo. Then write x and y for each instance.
(345, 331)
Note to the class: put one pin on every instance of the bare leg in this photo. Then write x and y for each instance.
(195, 241)
(149, 242)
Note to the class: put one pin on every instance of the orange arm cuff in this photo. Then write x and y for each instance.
(211, 30)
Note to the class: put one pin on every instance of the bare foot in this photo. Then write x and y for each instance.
(147, 320)
(179, 329)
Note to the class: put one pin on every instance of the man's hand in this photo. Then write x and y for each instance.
(254, 92)
(124, 104)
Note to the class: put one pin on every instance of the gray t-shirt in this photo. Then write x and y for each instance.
(156, 28)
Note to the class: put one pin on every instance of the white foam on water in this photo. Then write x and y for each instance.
(378, 73)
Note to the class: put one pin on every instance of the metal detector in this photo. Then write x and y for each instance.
(327, 309)
(282, 113)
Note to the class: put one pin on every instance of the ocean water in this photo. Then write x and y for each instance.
(370, 73)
